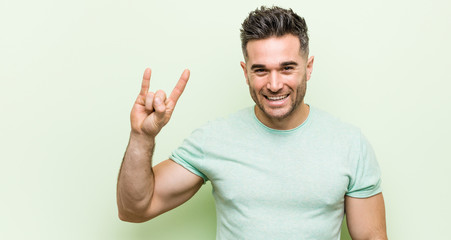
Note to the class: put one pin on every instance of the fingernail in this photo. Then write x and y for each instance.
(158, 100)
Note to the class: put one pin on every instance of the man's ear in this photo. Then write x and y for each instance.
(309, 67)
(243, 66)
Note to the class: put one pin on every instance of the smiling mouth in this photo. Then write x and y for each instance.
(276, 98)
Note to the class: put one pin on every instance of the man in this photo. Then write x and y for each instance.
(279, 170)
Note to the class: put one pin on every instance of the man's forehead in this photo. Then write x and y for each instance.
(274, 50)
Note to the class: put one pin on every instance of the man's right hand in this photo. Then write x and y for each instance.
(152, 111)
(143, 191)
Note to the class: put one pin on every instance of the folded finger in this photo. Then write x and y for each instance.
(159, 104)
(149, 101)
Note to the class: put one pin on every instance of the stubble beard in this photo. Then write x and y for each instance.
(301, 90)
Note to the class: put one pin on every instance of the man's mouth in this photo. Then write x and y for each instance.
(276, 98)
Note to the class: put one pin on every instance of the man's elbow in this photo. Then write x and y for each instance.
(133, 218)
(382, 235)
(134, 215)
(377, 238)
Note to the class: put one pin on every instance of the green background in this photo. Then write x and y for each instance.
(70, 71)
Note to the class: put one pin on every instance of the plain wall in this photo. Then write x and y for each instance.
(70, 71)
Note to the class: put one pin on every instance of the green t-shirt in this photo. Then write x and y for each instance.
(281, 184)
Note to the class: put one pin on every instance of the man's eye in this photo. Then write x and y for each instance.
(287, 68)
(259, 70)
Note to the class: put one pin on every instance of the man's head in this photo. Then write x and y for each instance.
(277, 65)
(273, 22)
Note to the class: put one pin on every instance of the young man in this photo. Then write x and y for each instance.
(280, 170)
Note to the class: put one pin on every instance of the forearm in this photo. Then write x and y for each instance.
(136, 180)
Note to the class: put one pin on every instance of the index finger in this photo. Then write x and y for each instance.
(146, 82)
(178, 89)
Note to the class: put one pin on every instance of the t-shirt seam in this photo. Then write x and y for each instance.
(262, 127)
(361, 193)
(202, 146)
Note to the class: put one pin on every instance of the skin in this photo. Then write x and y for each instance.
(276, 72)
(272, 71)
(144, 192)
(366, 217)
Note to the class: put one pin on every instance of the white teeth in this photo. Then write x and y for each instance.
(277, 98)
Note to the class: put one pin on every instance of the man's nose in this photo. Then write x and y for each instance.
(274, 82)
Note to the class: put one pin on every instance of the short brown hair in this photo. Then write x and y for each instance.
(275, 21)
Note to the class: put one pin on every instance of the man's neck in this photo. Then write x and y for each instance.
(295, 119)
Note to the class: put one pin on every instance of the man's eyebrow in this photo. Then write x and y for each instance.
(254, 66)
(289, 63)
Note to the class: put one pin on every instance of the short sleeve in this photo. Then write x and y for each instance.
(190, 154)
(366, 180)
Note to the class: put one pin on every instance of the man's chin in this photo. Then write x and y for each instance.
(277, 114)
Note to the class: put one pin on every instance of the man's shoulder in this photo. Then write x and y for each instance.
(242, 116)
(331, 123)
(327, 128)
(236, 121)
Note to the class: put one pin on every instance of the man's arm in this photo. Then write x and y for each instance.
(366, 217)
(144, 192)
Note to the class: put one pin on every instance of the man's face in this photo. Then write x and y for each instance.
(276, 72)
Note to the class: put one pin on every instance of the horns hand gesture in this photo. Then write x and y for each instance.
(152, 111)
